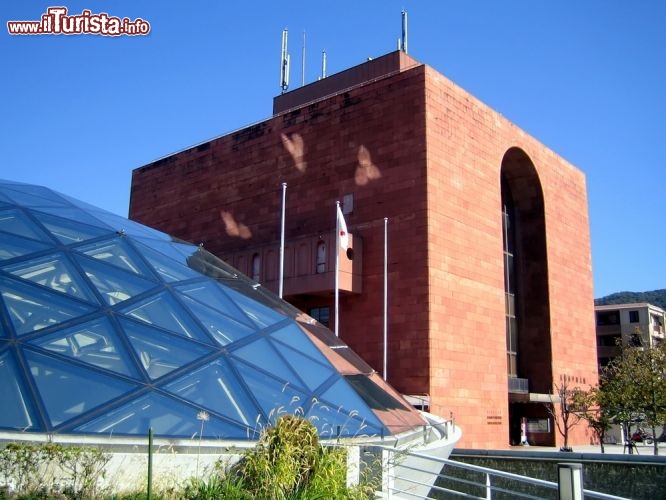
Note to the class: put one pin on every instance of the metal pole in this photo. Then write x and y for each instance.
(404, 31)
(385, 295)
(303, 62)
(337, 267)
(284, 198)
(570, 481)
(150, 462)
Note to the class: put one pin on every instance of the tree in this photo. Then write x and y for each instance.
(596, 413)
(567, 407)
(634, 387)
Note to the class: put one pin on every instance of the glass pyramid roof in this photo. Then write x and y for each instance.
(110, 327)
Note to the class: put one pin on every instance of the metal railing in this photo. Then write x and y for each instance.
(519, 385)
(458, 479)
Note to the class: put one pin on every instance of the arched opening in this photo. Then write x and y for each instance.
(529, 355)
(321, 257)
(256, 267)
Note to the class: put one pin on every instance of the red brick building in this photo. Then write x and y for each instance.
(490, 298)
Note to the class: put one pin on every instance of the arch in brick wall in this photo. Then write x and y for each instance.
(522, 198)
(522, 186)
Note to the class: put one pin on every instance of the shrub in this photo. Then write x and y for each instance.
(50, 471)
(289, 463)
(283, 460)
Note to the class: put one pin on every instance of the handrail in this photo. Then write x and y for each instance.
(397, 460)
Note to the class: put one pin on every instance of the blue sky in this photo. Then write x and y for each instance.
(588, 79)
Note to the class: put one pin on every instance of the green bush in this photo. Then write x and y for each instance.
(50, 471)
(288, 462)
(283, 460)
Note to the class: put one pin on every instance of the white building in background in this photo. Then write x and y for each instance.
(638, 323)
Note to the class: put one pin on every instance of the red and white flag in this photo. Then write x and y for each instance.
(342, 230)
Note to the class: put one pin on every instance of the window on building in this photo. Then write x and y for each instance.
(321, 314)
(256, 267)
(608, 318)
(509, 284)
(636, 340)
(633, 316)
(321, 257)
(608, 340)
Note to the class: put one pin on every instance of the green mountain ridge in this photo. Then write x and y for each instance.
(654, 297)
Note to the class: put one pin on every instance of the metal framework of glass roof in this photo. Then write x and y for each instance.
(108, 327)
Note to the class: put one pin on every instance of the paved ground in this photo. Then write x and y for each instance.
(641, 449)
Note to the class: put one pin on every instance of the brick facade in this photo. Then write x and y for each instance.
(409, 145)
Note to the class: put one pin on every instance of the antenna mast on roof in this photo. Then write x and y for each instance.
(323, 64)
(403, 40)
(284, 63)
(303, 62)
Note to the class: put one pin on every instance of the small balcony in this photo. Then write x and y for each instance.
(309, 265)
(519, 385)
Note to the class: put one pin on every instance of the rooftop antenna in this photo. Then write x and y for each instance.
(323, 64)
(284, 64)
(303, 62)
(403, 42)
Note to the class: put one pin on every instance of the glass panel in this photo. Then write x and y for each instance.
(261, 295)
(215, 387)
(73, 214)
(176, 251)
(15, 246)
(512, 364)
(69, 231)
(332, 423)
(113, 285)
(33, 196)
(293, 336)
(209, 265)
(118, 223)
(17, 410)
(68, 390)
(117, 253)
(513, 335)
(348, 403)
(321, 257)
(15, 222)
(95, 343)
(275, 397)
(162, 310)
(32, 308)
(210, 293)
(261, 315)
(168, 269)
(55, 272)
(264, 357)
(374, 396)
(223, 328)
(312, 373)
(510, 304)
(166, 416)
(159, 352)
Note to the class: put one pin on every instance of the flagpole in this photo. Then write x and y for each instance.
(284, 198)
(337, 267)
(385, 295)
